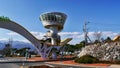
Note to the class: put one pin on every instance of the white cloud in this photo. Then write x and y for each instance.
(69, 33)
(25, 40)
(110, 33)
(3, 39)
(77, 36)
(12, 33)
(38, 35)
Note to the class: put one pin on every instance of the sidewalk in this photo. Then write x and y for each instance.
(72, 63)
(114, 66)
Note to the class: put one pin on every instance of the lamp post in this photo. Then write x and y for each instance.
(26, 54)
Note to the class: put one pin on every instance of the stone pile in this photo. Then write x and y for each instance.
(107, 51)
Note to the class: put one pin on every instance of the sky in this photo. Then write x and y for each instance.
(103, 15)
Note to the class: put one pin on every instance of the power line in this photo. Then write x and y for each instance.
(113, 24)
(105, 26)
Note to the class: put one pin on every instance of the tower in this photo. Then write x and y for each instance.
(55, 22)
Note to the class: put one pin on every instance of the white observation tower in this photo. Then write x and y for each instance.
(55, 22)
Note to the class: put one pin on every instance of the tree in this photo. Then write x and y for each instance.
(22, 51)
(108, 39)
(97, 36)
(13, 51)
(7, 50)
(3, 18)
(80, 45)
(70, 48)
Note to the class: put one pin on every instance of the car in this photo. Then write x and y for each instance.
(1, 56)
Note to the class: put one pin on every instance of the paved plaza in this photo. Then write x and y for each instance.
(37, 61)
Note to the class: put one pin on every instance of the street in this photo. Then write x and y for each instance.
(27, 64)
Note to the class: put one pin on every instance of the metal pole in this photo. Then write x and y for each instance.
(85, 30)
(85, 33)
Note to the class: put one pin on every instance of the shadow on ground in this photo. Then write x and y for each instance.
(42, 66)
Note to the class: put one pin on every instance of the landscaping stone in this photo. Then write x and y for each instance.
(105, 51)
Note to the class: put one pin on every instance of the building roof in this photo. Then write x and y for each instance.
(116, 38)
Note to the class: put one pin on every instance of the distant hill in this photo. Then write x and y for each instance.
(17, 44)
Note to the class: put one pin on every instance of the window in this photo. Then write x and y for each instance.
(52, 17)
(43, 17)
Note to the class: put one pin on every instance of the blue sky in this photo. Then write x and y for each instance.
(103, 14)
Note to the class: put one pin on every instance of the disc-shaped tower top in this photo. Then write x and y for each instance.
(53, 19)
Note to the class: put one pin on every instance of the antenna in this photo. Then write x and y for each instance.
(85, 30)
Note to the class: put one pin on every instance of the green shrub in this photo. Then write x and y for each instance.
(87, 59)
(110, 62)
(3, 18)
(117, 62)
(106, 62)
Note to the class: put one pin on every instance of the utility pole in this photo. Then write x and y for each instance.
(85, 30)
(10, 42)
